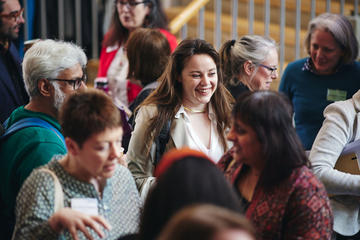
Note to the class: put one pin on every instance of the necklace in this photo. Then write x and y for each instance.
(194, 111)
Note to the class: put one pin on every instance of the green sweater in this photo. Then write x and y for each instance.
(20, 153)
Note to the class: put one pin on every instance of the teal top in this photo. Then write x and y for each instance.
(20, 153)
(311, 93)
(120, 204)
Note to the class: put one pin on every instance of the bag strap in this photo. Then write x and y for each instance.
(30, 122)
(6, 123)
(161, 141)
(59, 195)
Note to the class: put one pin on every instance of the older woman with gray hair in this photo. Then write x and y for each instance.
(329, 74)
(249, 64)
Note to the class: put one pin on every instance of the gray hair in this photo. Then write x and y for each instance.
(342, 31)
(233, 55)
(46, 59)
(59, 96)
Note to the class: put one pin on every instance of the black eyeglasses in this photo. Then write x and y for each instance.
(131, 4)
(271, 69)
(76, 83)
(15, 15)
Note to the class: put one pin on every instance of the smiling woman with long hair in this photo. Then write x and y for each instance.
(190, 107)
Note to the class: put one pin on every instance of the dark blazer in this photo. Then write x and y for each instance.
(9, 99)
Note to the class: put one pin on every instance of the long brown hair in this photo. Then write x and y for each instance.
(148, 52)
(168, 95)
(118, 34)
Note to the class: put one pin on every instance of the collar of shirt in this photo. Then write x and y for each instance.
(309, 66)
(211, 113)
(112, 48)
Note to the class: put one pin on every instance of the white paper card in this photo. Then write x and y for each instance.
(85, 205)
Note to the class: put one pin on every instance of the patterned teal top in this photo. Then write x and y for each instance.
(120, 204)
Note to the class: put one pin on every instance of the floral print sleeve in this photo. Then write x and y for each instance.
(308, 213)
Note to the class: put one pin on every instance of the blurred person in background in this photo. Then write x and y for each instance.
(12, 88)
(148, 52)
(185, 177)
(207, 222)
(128, 16)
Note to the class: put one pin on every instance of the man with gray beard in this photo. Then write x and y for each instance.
(52, 70)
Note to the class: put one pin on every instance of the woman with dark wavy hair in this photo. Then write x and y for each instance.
(128, 15)
(269, 169)
(191, 101)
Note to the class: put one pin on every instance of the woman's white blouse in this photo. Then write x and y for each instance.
(117, 77)
(216, 150)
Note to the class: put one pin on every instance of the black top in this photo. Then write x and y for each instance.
(12, 88)
(236, 90)
(244, 202)
(16, 78)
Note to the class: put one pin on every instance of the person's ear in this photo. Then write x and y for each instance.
(45, 88)
(249, 68)
(72, 147)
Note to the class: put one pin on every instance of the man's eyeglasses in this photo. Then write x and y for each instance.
(271, 69)
(15, 15)
(76, 83)
(130, 4)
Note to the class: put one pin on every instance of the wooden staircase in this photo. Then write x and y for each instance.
(258, 25)
(242, 29)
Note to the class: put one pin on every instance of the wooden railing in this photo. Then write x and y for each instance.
(289, 33)
(180, 22)
(229, 19)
